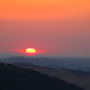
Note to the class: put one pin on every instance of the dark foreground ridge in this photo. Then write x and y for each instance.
(15, 78)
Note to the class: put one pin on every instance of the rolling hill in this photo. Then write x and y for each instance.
(16, 78)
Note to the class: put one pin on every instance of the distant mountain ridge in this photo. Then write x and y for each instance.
(82, 64)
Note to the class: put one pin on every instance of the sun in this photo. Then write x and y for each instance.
(30, 51)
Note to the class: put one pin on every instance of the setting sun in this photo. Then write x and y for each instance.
(30, 51)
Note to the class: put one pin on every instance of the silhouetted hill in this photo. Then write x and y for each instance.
(82, 64)
(15, 78)
(77, 77)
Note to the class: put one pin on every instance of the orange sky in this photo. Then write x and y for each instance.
(44, 9)
(59, 26)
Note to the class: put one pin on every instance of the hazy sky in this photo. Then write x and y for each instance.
(59, 27)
